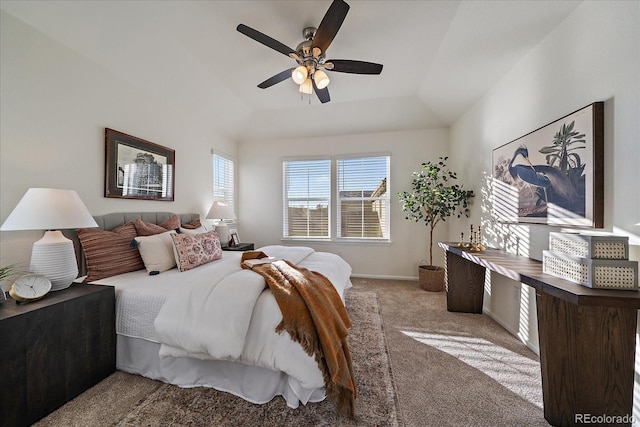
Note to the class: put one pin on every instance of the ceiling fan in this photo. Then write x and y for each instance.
(311, 54)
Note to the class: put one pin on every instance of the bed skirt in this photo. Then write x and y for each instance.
(252, 383)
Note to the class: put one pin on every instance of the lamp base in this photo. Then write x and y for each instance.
(53, 256)
(223, 234)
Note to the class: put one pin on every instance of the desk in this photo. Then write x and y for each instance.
(587, 336)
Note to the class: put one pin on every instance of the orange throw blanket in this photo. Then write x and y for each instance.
(314, 316)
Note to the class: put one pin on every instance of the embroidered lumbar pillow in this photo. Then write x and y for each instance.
(192, 250)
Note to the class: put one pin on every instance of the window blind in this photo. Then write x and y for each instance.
(307, 198)
(223, 179)
(363, 198)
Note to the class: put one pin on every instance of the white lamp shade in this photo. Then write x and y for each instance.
(321, 79)
(221, 210)
(299, 75)
(306, 87)
(49, 209)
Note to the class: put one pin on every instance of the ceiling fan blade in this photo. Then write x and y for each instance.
(323, 94)
(355, 67)
(280, 77)
(265, 39)
(330, 25)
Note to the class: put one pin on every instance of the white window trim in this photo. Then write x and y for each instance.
(333, 203)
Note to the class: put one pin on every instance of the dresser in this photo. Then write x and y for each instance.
(53, 349)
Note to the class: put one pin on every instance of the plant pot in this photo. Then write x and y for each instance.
(431, 278)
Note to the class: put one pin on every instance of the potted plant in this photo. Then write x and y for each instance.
(5, 273)
(434, 198)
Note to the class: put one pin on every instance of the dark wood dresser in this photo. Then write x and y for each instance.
(53, 349)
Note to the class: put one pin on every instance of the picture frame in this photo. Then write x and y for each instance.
(234, 239)
(555, 174)
(137, 169)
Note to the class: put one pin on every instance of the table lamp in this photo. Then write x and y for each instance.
(51, 209)
(222, 211)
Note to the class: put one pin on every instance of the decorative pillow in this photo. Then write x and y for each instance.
(149, 229)
(192, 250)
(198, 230)
(109, 253)
(192, 225)
(157, 252)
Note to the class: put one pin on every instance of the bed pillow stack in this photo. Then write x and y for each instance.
(184, 245)
(109, 253)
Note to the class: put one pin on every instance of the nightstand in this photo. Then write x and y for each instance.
(53, 349)
(240, 247)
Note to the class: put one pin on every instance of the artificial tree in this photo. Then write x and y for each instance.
(434, 198)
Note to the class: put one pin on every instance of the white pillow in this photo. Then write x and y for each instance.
(157, 252)
(198, 230)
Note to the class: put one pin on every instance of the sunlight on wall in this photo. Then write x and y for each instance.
(511, 237)
(513, 371)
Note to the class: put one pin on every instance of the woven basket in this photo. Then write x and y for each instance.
(431, 278)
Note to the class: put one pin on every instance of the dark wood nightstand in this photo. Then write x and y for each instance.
(53, 349)
(240, 247)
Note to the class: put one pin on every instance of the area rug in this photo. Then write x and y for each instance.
(168, 405)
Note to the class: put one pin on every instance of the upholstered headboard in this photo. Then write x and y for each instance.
(113, 220)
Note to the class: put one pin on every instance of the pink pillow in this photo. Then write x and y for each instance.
(192, 250)
(149, 229)
(192, 225)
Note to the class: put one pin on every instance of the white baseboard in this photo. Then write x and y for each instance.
(531, 345)
(374, 276)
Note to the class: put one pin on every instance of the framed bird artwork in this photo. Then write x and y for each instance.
(553, 175)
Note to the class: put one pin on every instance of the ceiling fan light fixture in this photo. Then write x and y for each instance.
(299, 74)
(306, 87)
(321, 79)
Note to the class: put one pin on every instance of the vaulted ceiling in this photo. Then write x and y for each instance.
(439, 57)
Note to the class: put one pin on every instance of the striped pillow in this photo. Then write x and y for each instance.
(109, 253)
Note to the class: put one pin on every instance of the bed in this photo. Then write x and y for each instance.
(255, 363)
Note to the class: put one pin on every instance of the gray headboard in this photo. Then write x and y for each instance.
(113, 220)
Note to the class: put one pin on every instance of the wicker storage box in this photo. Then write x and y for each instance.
(595, 246)
(593, 273)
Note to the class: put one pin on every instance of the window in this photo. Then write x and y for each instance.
(307, 197)
(223, 179)
(363, 198)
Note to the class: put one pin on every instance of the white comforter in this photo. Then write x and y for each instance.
(220, 311)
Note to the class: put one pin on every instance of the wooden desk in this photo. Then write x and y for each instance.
(587, 336)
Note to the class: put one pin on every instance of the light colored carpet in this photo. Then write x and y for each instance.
(455, 369)
(130, 400)
(449, 369)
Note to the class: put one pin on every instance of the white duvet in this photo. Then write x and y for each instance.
(219, 311)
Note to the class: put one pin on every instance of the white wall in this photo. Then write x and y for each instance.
(594, 55)
(55, 105)
(260, 190)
